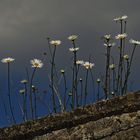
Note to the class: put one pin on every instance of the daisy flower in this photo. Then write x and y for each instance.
(24, 81)
(121, 18)
(135, 42)
(22, 91)
(79, 62)
(107, 37)
(62, 71)
(124, 17)
(121, 36)
(36, 63)
(126, 57)
(109, 45)
(72, 37)
(7, 60)
(98, 80)
(88, 65)
(73, 49)
(55, 42)
(112, 66)
(81, 79)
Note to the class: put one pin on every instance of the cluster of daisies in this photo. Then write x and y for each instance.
(37, 63)
(124, 35)
(86, 64)
(114, 82)
(72, 38)
(119, 37)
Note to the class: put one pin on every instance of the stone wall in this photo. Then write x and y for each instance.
(114, 119)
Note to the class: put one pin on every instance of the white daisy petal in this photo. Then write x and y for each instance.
(121, 36)
(7, 60)
(72, 37)
(55, 42)
(135, 42)
(124, 17)
(73, 49)
(88, 65)
(36, 63)
(79, 62)
(126, 57)
(112, 66)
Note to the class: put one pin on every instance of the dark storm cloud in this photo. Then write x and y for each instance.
(25, 23)
(21, 18)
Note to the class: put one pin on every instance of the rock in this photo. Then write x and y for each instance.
(114, 119)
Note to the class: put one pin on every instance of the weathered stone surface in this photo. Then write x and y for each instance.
(125, 126)
(114, 119)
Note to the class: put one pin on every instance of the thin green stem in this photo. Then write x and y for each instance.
(9, 95)
(93, 85)
(114, 80)
(86, 83)
(74, 78)
(81, 95)
(98, 91)
(52, 80)
(120, 67)
(124, 89)
(31, 98)
(73, 95)
(65, 91)
(76, 83)
(126, 82)
(25, 103)
(106, 87)
(35, 105)
(109, 80)
(75, 74)
(49, 46)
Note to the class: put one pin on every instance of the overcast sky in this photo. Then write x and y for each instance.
(24, 25)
